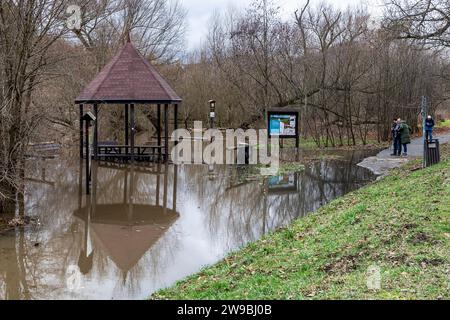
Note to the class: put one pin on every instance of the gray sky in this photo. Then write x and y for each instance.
(199, 13)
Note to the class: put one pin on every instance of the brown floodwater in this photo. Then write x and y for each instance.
(144, 228)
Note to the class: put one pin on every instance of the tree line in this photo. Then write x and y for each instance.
(348, 74)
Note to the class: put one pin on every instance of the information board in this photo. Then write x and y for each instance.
(283, 184)
(283, 124)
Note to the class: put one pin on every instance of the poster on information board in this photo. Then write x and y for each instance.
(283, 124)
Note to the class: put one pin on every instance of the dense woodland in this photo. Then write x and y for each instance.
(348, 72)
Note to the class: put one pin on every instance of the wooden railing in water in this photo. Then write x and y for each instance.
(139, 153)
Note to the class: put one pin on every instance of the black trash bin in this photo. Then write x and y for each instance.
(432, 154)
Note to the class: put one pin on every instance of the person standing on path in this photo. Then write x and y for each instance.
(429, 126)
(395, 130)
(405, 136)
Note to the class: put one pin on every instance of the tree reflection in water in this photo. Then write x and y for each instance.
(243, 212)
(143, 228)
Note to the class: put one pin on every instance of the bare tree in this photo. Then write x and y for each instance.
(348, 76)
(242, 46)
(427, 21)
(28, 29)
(157, 26)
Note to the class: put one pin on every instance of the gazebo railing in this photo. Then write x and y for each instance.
(144, 153)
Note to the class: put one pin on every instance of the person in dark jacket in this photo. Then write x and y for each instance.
(405, 136)
(396, 138)
(429, 126)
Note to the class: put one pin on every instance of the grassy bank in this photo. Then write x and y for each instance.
(400, 224)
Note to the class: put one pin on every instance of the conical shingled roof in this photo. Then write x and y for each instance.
(128, 78)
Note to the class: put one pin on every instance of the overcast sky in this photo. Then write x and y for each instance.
(199, 13)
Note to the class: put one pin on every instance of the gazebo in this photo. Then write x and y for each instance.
(129, 79)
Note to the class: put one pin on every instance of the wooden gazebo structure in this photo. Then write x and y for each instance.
(129, 79)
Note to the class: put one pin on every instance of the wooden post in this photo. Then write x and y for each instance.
(87, 218)
(166, 133)
(127, 127)
(175, 117)
(158, 183)
(130, 193)
(94, 188)
(158, 128)
(80, 185)
(166, 172)
(96, 132)
(132, 130)
(88, 177)
(81, 131)
(125, 187)
(86, 227)
(175, 124)
(175, 181)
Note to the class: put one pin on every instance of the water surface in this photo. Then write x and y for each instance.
(142, 229)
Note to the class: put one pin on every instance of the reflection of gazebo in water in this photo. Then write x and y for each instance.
(129, 79)
(125, 231)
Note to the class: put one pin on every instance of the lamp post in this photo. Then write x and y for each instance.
(211, 172)
(212, 113)
(87, 118)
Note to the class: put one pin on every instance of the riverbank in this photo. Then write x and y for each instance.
(398, 225)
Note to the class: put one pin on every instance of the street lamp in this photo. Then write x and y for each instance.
(211, 172)
(212, 113)
(88, 118)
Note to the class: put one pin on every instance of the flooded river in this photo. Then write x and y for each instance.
(144, 228)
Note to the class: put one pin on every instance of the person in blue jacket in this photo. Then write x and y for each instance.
(429, 126)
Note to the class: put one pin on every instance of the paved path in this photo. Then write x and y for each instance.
(383, 162)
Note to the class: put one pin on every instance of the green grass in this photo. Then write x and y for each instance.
(310, 144)
(444, 124)
(307, 144)
(400, 224)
